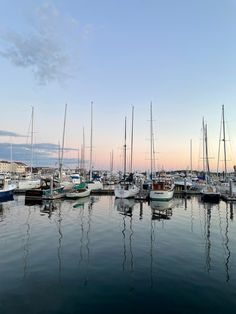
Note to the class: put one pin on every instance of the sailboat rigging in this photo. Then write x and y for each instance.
(126, 188)
(92, 184)
(222, 129)
(29, 182)
(209, 191)
(162, 187)
(63, 143)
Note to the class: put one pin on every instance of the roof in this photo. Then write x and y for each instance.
(14, 162)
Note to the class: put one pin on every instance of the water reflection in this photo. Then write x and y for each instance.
(231, 207)
(228, 253)
(7, 198)
(81, 202)
(125, 206)
(140, 210)
(85, 219)
(112, 250)
(223, 228)
(161, 210)
(87, 244)
(224, 231)
(49, 206)
(32, 202)
(208, 237)
(5, 204)
(26, 245)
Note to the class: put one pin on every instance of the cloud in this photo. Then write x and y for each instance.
(8, 133)
(44, 154)
(44, 49)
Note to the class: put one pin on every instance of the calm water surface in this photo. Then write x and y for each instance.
(99, 255)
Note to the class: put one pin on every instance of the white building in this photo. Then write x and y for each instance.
(13, 167)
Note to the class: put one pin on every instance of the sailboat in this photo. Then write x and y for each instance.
(162, 187)
(125, 189)
(27, 182)
(64, 180)
(6, 189)
(161, 209)
(91, 183)
(226, 185)
(209, 191)
(78, 191)
(50, 187)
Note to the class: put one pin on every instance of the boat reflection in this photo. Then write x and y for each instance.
(32, 202)
(48, 206)
(161, 209)
(80, 202)
(4, 205)
(125, 206)
(7, 199)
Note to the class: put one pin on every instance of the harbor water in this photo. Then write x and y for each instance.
(101, 255)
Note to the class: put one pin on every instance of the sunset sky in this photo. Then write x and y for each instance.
(177, 54)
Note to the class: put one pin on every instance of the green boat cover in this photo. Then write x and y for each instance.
(80, 186)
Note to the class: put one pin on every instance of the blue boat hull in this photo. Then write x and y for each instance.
(6, 195)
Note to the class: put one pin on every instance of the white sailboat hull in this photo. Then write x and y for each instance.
(122, 192)
(162, 195)
(28, 184)
(224, 188)
(78, 194)
(95, 185)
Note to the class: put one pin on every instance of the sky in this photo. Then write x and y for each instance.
(177, 54)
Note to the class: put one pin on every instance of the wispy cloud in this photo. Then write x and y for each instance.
(8, 133)
(44, 50)
(45, 154)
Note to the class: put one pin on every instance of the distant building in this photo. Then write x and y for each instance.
(14, 167)
(20, 167)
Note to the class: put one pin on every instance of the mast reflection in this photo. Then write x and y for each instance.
(49, 206)
(228, 253)
(27, 244)
(125, 208)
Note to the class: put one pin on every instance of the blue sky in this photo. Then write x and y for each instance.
(179, 54)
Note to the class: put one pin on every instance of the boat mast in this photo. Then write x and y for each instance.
(151, 141)
(206, 147)
(91, 143)
(222, 126)
(63, 143)
(83, 158)
(191, 157)
(11, 157)
(111, 162)
(59, 154)
(223, 118)
(218, 161)
(125, 152)
(154, 154)
(79, 157)
(132, 135)
(203, 145)
(32, 140)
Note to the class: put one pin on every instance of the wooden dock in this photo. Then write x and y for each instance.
(142, 195)
(103, 192)
(228, 198)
